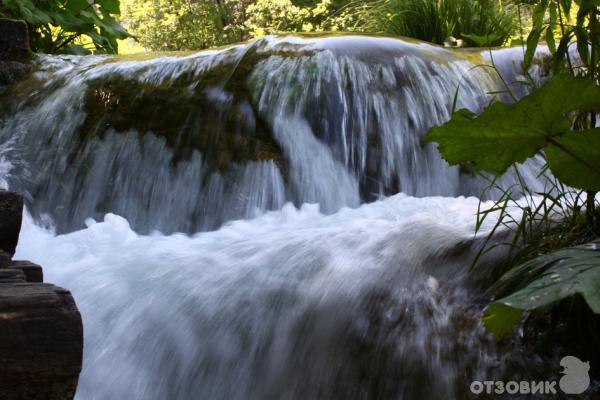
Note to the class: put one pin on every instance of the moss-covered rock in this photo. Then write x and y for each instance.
(217, 120)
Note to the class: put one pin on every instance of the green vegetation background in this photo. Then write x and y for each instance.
(83, 26)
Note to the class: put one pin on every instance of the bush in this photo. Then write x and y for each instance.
(166, 25)
(557, 121)
(476, 22)
(73, 26)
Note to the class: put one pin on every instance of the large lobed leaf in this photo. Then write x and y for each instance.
(544, 281)
(504, 134)
(574, 158)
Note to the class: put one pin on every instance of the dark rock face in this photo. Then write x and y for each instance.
(41, 338)
(41, 333)
(32, 272)
(5, 259)
(14, 39)
(11, 213)
(15, 52)
(12, 71)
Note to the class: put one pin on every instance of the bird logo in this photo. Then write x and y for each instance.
(576, 378)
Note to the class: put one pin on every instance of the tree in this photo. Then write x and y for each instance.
(164, 25)
(69, 26)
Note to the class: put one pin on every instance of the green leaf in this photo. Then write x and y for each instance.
(553, 15)
(552, 277)
(532, 41)
(111, 6)
(582, 44)
(561, 53)
(551, 26)
(500, 319)
(32, 14)
(508, 133)
(586, 7)
(491, 142)
(538, 13)
(574, 158)
(550, 40)
(56, 24)
(76, 6)
(536, 32)
(544, 281)
(69, 23)
(566, 6)
(482, 40)
(111, 27)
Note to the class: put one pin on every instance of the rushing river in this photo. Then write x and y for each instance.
(261, 221)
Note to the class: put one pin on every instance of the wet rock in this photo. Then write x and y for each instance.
(15, 52)
(9, 275)
(32, 271)
(41, 333)
(11, 213)
(4, 259)
(12, 71)
(41, 342)
(14, 40)
(220, 123)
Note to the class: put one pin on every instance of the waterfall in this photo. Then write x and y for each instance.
(261, 221)
(184, 144)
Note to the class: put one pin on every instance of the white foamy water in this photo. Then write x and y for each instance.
(274, 307)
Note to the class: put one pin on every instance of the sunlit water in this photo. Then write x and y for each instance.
(301, 275)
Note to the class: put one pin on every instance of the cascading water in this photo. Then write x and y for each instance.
(183, 144)
(320, 281)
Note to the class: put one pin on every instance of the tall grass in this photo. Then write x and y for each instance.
(476, 22)
(539, 222)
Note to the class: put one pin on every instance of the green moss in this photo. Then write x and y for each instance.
(225, 131)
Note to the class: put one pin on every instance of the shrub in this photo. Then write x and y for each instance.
(476, 22)
(72, 26)
(557, 121)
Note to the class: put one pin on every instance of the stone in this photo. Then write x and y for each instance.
(4, 259)
(41, 342)
(14, 40)
(15, 52)
(9, 275)
(32, 271)
(11, 213)
(12, 71)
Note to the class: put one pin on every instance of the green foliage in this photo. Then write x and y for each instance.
(544, 281)
(197, 24)
(505, 134)
(269, 16)
(165, 25)
(500, 319)
(574, 158)
(476, 22)
(69, 26)
(559, 118)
